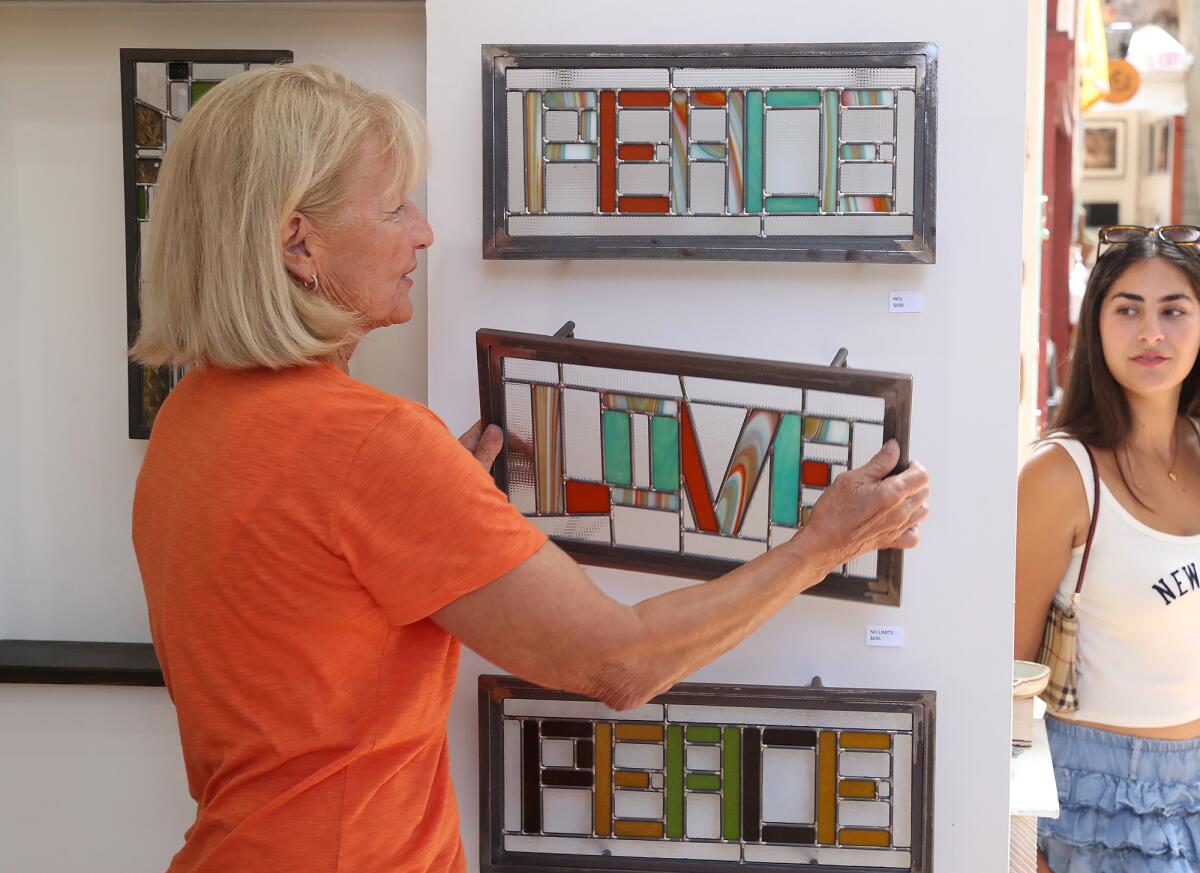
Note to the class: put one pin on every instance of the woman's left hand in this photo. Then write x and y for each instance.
(484, 444)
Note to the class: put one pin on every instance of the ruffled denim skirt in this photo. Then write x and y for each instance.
(1128, 804)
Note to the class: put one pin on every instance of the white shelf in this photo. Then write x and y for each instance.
(1031, 787)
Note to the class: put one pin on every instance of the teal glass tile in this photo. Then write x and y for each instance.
(618, 463)
(781, 97)
(785, 473)
(754, 151)
(664, 453)
(793, 204)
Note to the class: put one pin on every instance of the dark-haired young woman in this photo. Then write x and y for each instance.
(1127, 762)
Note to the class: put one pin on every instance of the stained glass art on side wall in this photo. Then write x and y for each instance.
(158, 87)
(735, 777)
(683, 463)
(780, 152)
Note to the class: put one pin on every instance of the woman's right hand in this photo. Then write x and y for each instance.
(865, 509)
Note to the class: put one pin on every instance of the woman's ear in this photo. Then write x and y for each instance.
(296, 243)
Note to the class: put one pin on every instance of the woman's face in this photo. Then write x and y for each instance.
(1150, 327)
(364, 261)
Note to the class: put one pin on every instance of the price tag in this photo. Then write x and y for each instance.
(882, 635)
(905, 301)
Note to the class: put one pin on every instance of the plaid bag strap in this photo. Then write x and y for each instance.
(1087, 549)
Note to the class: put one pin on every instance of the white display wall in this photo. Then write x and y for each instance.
(91, 779)
(962, 350)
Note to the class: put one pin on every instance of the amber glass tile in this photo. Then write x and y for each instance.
(708, 98)
(148, 127)
(864, 740)
(862, 789)
(646, 732)
(629, 828)
(631, 779)
(146, 170)
(863, 837)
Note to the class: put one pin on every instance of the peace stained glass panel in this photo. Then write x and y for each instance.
(819, 779)
(742, 134)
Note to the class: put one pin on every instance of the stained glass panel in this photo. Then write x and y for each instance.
(158, 88)
(722, 773)
(682, 463)
(839, 134)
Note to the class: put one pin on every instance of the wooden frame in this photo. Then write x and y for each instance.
(914, 245)
(139, 428)
(495, 690)
(894, 389)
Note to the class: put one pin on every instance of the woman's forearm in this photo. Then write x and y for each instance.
(667, 637)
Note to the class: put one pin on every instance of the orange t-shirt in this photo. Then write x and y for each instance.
(295, 530)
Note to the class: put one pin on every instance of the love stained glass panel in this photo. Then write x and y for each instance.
(784, 152)
(683, 463)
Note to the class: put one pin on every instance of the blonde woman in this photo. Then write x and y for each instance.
(314, 550)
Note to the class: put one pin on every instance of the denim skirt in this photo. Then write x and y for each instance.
(1128, 804)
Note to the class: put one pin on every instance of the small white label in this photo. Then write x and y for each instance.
(880, 635)
(905, 301)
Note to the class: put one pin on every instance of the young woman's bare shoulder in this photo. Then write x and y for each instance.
(1050, 486)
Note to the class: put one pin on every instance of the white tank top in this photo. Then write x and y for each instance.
(1139, 617)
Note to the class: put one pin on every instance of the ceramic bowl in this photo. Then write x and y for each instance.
(1029, 678)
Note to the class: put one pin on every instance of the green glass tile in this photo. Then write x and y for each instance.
(754, 151)
(143, 201)
(664, 453)
(702, 733)
(793, 204)
(830, 114)
(199, 89)
(731, 797)
(674, 782)
(618, 464)
(793, 98)
(703, 782)
(785, 472)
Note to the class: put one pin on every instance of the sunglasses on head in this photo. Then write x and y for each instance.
(1123, 234)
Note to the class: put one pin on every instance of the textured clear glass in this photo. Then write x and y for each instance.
(793, 150)
(633, 225)
(571, 187)
(867, 125)
(643, 125)
(707, 125)
(816, 77)
(707, 188)
(568, 78)
(866, 179)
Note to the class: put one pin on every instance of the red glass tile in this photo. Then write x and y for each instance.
(708, 98)
(608, 151)
(693, 473)
(635, 152)
(815, 473)
(644, 204)
(587, 497)
(645, 98)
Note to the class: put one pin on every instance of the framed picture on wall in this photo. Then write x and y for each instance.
(1160, 156)
(158, 88)
(1104, 149)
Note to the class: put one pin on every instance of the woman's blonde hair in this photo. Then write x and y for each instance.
(259, 146)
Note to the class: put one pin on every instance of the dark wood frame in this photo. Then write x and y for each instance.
(920, 248)
(129, 58)
(895, 389)
(493, 690)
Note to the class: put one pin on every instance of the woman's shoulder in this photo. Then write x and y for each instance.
(1052, 480)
